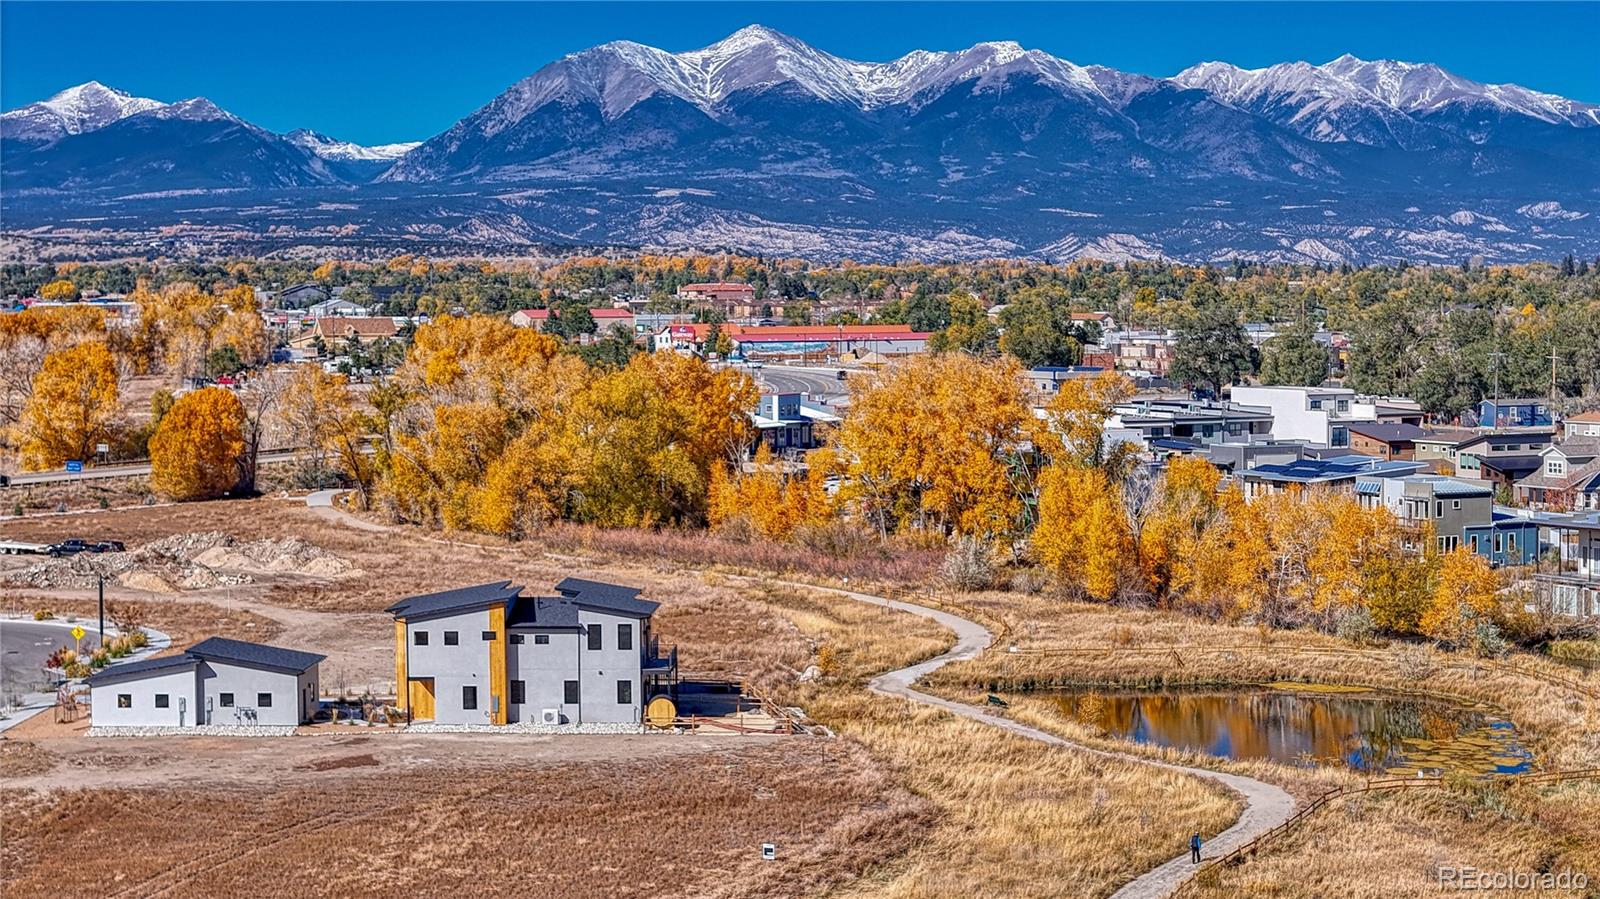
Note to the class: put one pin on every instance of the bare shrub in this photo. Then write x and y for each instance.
(969, 565)
(1029, 581)
(1356, 626)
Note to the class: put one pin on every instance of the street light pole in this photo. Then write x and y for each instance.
(102, 578)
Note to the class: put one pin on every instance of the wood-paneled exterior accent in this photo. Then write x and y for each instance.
(401, 699)
(499, 694)
(421, 696)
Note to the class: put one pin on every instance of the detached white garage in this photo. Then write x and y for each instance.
(217, 682)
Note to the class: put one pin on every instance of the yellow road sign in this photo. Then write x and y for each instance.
(78, 632)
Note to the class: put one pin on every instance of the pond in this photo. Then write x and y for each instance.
(1308, 726)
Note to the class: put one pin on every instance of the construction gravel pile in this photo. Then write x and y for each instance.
(177, 562)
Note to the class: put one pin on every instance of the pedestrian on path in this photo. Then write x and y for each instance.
(1194, 848)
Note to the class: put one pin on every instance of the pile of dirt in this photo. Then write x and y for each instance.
(177, 562)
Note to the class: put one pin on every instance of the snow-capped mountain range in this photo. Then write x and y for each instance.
(762, 141)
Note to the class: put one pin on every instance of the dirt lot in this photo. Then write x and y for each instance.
(662, 816)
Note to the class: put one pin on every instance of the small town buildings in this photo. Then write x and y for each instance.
(1573, 588)
(214, 682)
(300, 296)
(1384, 440)
(1195, 421)
(1504, 470)
(1231, 456)
(1469, 451)
(1149, 352)
(1439, 444)
(336, 307)
(1461, 514)
(490, 655)
(1568, 478)
(785, 421)
(1047, 379)
(330, 330)
(817, 343)
(604, 319)
(1320, 415)
(1395, 410)
(1527, 412)
(1338, 473)
(733, 299)
(1584, 424)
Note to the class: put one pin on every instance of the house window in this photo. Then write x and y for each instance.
(420, 638)
(595, 638)
(452, 638)
(1499, 543)
(469, 697)
(569, 692)
(624, 636)
(541, 639)
(264, 700)
(1438, 509)
(516, 638)
(1455, 504)
(519, 692)
(1474, 542)
(225, 700)
(1511, 543)
(162, 701)
(488, 635)
(124, 700)
(624, 692)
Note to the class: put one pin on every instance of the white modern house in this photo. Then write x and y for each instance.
(489, 655)
(215, 682)
(1319, 415)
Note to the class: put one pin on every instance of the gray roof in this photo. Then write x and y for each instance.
(543, 612)
(142, 667)
(1386, 432)
(460, 599)
(254, 655)
(607, 597)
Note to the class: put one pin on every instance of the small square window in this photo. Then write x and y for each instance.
(225, 700)
(469, 698)
(541, 639)
(264, 700)
(519, 692)
(569, 692)
(162, 701)
(624, 692)
(488, 635)
(1455, 504)
(452, 638)
(124, 700)
(420, 638)
(515, 638)
(596, 636)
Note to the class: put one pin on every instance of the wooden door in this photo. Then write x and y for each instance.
(420, 696)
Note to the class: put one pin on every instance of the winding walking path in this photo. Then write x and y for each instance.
(1266, 806)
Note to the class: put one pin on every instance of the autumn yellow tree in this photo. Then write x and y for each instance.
(196, 450)
(938, 443)
(775, 503)
(1185, 506)
(322, 415)
(1082, 533)
(1074, 424)
(28, 336)
(72, 406)
(1465, 598)
(181, 325)
(59, 290)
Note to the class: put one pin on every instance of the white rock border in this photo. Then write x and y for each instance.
(527, 727)
(203, 730)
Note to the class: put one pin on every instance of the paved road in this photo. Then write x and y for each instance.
(821, 383)
(136, 469)
(24, 645)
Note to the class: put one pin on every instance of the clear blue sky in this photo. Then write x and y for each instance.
(376, 72)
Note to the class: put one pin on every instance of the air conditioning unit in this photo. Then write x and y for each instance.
(550, 716)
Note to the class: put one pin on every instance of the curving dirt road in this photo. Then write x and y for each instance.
(1266, 806)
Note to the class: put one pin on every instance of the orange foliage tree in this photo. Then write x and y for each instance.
(72, 406)
(196, 451)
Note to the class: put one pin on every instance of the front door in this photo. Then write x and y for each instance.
(420, 698)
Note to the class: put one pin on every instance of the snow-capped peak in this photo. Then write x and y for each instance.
(76, 110)
(345, 151)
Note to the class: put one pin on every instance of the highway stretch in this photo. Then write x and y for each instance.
(119, 470)
(821, 384)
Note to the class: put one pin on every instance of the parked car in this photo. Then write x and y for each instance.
(75, 545)
(842, 375)
(755, 365)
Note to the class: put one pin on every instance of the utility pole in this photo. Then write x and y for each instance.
(1552, 382)
(102, 609)
(1496, 356)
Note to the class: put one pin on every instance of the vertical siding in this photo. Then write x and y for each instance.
(497, 666)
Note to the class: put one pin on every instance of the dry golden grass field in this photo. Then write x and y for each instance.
(904, 802)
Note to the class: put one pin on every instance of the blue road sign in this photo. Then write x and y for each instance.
(74, 465)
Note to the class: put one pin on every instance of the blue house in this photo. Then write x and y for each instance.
(1523, 412)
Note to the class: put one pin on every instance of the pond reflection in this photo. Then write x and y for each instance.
(1366, 731)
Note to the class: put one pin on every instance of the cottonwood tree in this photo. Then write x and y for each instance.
(196, 450)
(72, 406)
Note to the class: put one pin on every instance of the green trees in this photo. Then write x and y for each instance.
(1212, 350)
(1294, 358)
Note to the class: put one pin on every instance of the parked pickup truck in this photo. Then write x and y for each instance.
(73, 546)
